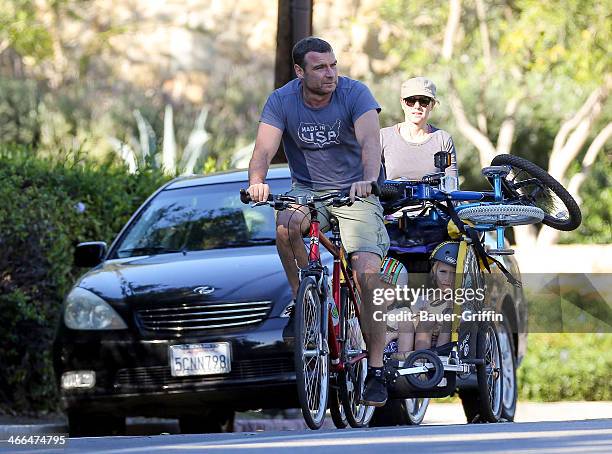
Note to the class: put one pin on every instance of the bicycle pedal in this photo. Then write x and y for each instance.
(391, 372)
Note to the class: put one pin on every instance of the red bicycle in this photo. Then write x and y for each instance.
(330, 350)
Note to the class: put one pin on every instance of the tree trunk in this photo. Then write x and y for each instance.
(294, 23)
(452, 25)
(574, 132)
(547, 237)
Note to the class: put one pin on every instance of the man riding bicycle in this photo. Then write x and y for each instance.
(329, 128)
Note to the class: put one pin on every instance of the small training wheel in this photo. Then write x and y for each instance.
(428, 360)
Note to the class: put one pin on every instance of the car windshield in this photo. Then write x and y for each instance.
(198, 218)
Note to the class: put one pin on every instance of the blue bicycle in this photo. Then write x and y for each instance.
(522, 193)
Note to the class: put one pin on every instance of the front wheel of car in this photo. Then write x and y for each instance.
(510, 388)
(415, 410)
(217, 421)
(400, 412)
(82, 424)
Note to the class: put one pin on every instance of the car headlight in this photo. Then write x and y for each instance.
(85, 310)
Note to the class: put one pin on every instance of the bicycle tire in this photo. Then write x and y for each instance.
(503, 214)
(310, 357)
(490, 374)
(561, 211)
(428, 380)
(336, 409)
(351, 380)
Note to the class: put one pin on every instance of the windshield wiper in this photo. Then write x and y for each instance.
(250, 242)
(150, 250)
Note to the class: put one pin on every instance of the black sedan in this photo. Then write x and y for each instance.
(184, 315)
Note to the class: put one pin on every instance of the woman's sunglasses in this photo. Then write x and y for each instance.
(423, 101)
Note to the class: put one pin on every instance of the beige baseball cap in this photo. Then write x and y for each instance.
(418, 86)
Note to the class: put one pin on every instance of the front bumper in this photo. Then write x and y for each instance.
(133, 374)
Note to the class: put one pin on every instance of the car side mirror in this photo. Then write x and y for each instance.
(90, 254)
(442, 160)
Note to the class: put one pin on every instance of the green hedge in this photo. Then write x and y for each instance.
(41, 220)
(572, 366)
(46, 208)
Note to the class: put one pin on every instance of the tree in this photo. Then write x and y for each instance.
(514, 69)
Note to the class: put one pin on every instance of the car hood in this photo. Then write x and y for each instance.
(247, 274)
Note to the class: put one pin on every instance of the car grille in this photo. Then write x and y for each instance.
(207, 316)
(159, 377)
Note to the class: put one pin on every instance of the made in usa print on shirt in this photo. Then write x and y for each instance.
(320, 134)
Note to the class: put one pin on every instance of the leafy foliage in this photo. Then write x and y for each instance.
(48, 207)
(22, 30)
(566, 367)
(596, 194)
(547, 55)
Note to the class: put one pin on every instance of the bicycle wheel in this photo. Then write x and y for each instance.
(528, 184)
(490, 374)
(351, 381)
(337, 409)
(502, 214)
(311, 358)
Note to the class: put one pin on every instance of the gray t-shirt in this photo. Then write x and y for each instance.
(412, 160)
(320, 144)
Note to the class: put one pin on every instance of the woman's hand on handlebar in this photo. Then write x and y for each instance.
(363, 189)
(259, 192)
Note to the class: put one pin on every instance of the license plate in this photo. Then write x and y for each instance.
(200, 359)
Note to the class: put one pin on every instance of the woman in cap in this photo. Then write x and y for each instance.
(408, 147)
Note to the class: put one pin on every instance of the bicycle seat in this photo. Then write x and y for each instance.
(492, 171)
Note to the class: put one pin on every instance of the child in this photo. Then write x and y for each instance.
(404, 336)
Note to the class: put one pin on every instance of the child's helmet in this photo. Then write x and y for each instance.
(446, 252)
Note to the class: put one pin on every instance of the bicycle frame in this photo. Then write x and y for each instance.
(340, 270)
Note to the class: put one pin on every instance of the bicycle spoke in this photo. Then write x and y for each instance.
(312, 389)
(532, 192)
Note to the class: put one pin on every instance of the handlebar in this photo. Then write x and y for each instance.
(395, 189)
(396, 195)
(280, 201)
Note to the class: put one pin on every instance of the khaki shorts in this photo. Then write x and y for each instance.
(362, 226)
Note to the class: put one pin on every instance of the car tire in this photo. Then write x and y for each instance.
(218, 421)
(396, 413)
(510, 388)
(89, 424)
(414, 416)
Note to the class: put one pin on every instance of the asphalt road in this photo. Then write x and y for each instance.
(585, 436)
